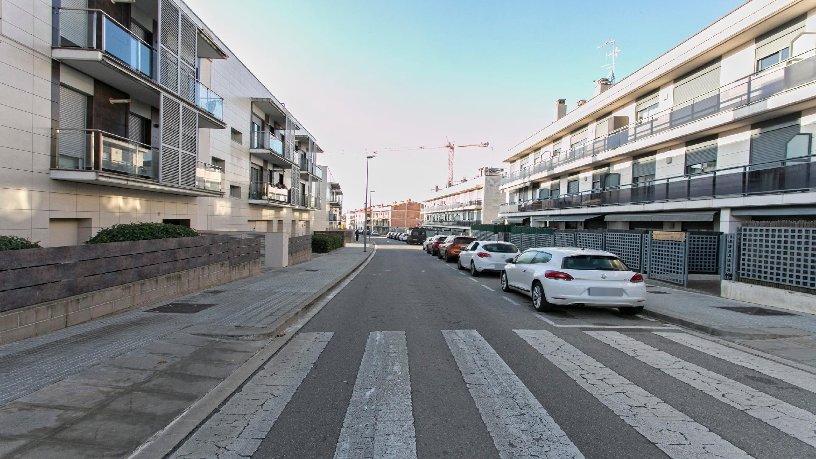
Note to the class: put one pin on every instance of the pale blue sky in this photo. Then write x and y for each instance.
(371, 75)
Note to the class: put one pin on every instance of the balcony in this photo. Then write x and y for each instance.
(792, 73)
(792, 175)
(211, 103)
(266, 146)
(94, 156)
(268, 194)
(473, 204)
(96, 44)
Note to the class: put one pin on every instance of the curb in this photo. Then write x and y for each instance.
(708, 329)
(163, 442)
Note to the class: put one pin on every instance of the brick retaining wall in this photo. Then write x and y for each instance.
(300, 249)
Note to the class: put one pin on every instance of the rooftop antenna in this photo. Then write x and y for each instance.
(613, 53)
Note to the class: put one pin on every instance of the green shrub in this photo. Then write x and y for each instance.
(141, 232)
(16, 243)
(324, 243)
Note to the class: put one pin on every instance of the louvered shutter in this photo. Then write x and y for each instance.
(578, 136)
(702, 81)
(646, 102)
(73, 119)
(770, 145)
(572, 186)
(602, 127)
(701, 152)
(643, 166)
(73, 24)
(779, 38)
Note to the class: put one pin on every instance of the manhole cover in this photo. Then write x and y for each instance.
(756, 311)
(182, 308)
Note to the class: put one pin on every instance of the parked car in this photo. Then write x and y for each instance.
(482, 256)
(450, 250)
(403, 237)
(569, 276)
(416, 236)
(433, 247)
(426, 243)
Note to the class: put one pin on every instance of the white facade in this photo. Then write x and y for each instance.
(464, 204)
(93, 133)
(716, 131)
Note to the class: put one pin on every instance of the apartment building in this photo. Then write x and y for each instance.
(467, 203)
(119, 112)
(335, 203)
(716, 132)
(397, 216)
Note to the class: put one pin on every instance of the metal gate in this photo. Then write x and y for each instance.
(627, 246)
(703, 253)
(668, 257)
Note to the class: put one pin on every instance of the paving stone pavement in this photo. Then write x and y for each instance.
(103, 387)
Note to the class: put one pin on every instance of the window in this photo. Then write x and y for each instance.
(218, 162)
(542, 257)
(235, 191)
(701, 156)
(572, 186)
(643, 169)
(773, 59)
(255, 139)
(526, 257)
(500, 248)
(774, 46)
(646, 107)
(594, 262)
(555, 189)
(236, 136)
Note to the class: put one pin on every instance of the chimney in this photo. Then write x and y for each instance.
(602, 85)
(560, 108)
(581, 102)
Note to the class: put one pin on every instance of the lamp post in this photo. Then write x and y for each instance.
(365, 219)
(371, 209)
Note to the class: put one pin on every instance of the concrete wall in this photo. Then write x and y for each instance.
(300, 249)
(769, 296)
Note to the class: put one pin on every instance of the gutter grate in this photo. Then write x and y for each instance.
(182, 308)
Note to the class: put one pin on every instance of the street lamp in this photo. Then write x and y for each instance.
(371, 209)
(365, 236)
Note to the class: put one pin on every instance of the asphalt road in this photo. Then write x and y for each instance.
(415, 357)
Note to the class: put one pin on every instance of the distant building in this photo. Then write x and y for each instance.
(387, 217)
(335, 203)
(716, 132)
(474, 201)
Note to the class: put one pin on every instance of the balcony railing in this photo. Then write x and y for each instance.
(264, 140)
(209, 101)
(209, 177)
(790, 175)
(92, 149)
(795, 72)
(268, 192)
(93, 29)
(453, 206)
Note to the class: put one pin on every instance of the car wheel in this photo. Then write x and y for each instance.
(505, 285)
(631, 310)
(447, 259)
(540, 302)
(473, 271)
(459, 264)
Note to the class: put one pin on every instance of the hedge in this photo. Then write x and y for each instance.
(324, 243)
(141, 232)
(16, 243)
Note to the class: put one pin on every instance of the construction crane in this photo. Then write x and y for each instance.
(451, 148)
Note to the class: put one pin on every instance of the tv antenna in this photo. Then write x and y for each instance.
(612, 53)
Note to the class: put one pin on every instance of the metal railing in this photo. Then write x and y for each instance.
(92, 149)
(789, 175)
(209, 177)
(264, 140)
(453, 206)
(94, 29)
(268, 192)
(796, 71)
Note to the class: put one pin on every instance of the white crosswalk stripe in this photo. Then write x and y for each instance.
(238, 427)
(518, 424)
(789, 419)
(379, 420)
(790, 375)
(667, 428)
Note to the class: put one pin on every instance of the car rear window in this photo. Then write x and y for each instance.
(500, 248)
(464, 240)
(594, 262)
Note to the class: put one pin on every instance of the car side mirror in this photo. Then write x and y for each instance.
(511, 260)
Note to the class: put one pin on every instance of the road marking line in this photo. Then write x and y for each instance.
(474, 280)
(613, 327)
(789, 419)
(239, 426)
(790, 375)
(379, 420)
(510, 301)
(653, 418)
(518, 424)
(485, 286)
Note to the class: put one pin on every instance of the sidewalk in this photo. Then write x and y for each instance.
(787, 334)
(102, 388)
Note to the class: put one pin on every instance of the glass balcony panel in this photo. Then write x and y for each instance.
(207, 100)
(121, 44)
(129, 157)
(209, 177)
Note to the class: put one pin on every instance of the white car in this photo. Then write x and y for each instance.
(481, 256)
(568, 276)
(403, 237)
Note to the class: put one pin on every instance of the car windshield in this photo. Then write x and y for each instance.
(463, 240)
(500, 248)
(594, 262)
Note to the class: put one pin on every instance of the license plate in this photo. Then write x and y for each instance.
(605, 291)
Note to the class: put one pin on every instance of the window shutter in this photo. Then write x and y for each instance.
(578, 136)
(646, 101)
(73, 118)
(602, 127)
(643, 166)
(572, 186)
(701, 81)
(779, 38)
(770, 144)
(701, 152)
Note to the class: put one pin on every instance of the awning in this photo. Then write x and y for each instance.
(663, 217)
(565, 218)
(774, 212)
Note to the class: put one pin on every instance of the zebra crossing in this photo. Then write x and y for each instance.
(379, 419)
